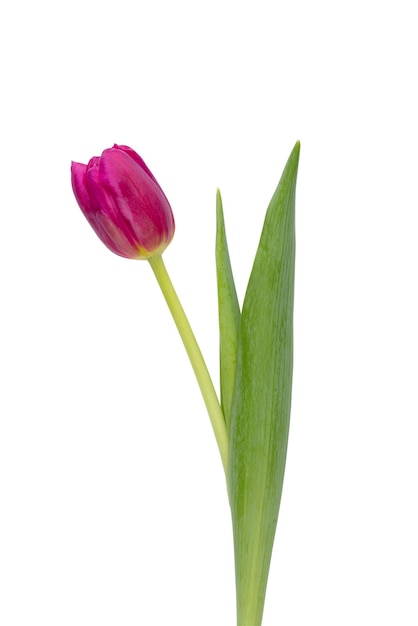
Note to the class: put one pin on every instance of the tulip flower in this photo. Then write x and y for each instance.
(124, 203)
(128, 210)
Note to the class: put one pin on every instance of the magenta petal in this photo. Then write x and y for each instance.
(79, 184)
(138, 160)
(108, 221)
(140, 201)
(113, 237)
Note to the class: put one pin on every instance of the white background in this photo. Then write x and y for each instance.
(113, 503)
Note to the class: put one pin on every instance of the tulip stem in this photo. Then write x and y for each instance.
(193, 351)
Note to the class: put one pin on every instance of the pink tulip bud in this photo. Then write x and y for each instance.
(124, 203)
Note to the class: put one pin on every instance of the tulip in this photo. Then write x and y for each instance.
(124, 204)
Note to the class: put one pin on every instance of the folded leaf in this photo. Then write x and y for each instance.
(229, 313)
(262, 397)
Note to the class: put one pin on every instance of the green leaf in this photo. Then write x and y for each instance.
(262, 397)
(229, 313)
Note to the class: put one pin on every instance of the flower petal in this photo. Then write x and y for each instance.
(141, 204)
(79, 184)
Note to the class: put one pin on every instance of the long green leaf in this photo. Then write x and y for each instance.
(262, 397)
(229, 313)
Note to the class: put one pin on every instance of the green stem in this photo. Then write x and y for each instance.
(199, 366)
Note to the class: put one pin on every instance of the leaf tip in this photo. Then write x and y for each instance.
(219, 207)
(218, 199)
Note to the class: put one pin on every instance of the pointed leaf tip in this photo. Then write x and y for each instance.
(229, 313)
